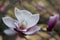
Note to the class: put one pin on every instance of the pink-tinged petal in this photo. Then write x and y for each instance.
(52, 22)
(32, 30)
(19, 32)
(9, 32)
(9, 21)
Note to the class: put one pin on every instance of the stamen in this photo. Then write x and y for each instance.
(22, 27)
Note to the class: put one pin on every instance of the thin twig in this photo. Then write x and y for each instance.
(50, 33)
(26, 38)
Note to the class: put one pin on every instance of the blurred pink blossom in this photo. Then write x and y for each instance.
(2, 8)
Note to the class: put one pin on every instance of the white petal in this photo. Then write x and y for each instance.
(29, 18)
(20, 13)
(32, 20)
(33, 30)
(9, 21)
(9, 32)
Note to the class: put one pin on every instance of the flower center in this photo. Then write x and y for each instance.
(22, 27)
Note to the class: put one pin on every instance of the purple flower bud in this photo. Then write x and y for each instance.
(52, 22)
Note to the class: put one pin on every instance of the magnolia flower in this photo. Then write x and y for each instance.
(53, 21)
(25, 23)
